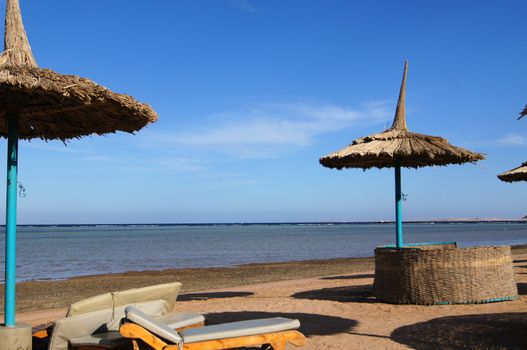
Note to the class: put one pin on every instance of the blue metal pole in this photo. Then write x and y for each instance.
(10, 241)
(398, 208)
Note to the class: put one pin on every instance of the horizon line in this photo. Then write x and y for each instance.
(387, 222)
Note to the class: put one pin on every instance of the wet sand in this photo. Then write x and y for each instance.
(332, 298)
(38, 295)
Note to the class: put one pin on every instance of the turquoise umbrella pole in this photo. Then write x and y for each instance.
(10, 241)
(398, 208)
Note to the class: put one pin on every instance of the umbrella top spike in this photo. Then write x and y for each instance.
(17, 51)
(399, 122)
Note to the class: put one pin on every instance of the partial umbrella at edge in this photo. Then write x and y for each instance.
(516, 174)
(523, 113)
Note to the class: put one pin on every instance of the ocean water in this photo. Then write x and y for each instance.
(59, 252)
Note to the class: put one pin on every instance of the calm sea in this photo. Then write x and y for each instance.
(58, 252)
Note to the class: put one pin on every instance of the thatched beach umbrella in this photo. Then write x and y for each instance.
(39, 103)
(395, 148)
(516, 174)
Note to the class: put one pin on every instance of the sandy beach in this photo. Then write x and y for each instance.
(332, 299)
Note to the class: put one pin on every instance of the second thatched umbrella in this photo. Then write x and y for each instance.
(395, 148)
(516, 174)
(39, 103)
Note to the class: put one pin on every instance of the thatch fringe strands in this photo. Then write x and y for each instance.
(55, 106)
(409, 149)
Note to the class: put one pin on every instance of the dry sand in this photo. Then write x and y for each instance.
(337, 310)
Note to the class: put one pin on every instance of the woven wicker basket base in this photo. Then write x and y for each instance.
(444, 275)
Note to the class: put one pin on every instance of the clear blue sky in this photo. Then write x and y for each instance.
(251, 93)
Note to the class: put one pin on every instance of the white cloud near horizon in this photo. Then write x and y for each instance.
(182, 164)
(514, 140)
(270, 129)
(243, 5)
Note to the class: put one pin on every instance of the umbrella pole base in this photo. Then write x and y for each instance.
(17, 337)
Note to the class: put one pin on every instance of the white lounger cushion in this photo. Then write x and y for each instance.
(167, 292)
(220, 331)
(154, 308)
(239, 329)
(177, 320)
(98, 302)
(152, 325)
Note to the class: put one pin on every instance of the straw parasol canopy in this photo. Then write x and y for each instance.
(398, 146)
(516, 174)
(49, 105)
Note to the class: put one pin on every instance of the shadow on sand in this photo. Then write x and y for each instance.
(347, 277)
(522, 288)
(213, 295)
(519, 261)
(357, 294)
(490, 331)
(310, 324)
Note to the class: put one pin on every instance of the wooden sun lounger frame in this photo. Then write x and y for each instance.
(41, 332)
(277, 340)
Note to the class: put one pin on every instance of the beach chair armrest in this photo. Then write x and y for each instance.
(159, 329)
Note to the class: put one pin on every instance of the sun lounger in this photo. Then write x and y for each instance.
(167, 292)
(93, 323)
(276, 332)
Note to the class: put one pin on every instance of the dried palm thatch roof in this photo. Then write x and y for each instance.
(49, 105)
(516, 174)
(398, 146)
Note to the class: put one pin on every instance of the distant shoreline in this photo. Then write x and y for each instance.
(315, 223)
